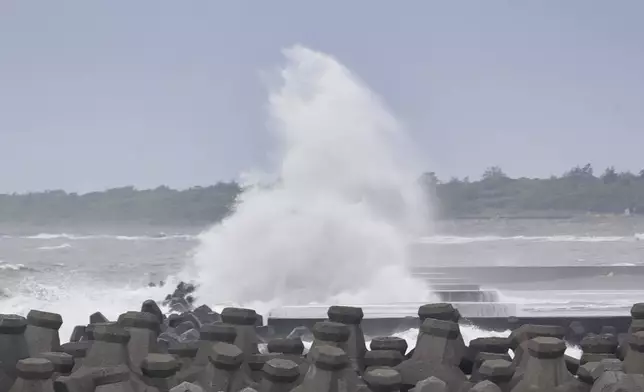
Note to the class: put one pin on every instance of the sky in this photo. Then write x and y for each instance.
(98, 94)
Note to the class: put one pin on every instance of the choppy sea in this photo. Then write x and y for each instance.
(76, 271)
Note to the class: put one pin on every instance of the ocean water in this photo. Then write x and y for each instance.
(80, 270)
(341, 220)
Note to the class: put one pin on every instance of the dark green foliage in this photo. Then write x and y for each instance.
(199, 205)
(578, 191)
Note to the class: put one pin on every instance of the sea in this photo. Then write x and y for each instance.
(76, 271)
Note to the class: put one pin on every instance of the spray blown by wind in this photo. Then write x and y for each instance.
(336, 225)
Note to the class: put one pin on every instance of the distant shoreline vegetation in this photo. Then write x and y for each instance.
(495, 195)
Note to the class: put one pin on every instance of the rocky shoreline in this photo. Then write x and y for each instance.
(197, 349)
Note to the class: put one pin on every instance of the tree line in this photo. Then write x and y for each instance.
(577, 191)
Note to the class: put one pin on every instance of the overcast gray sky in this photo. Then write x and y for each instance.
(95, 94)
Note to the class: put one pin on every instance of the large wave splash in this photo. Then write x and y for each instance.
(336, 224)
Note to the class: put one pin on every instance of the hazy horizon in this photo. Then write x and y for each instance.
(97, 95)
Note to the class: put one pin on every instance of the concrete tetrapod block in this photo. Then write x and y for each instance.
(256, 364)
(218, 332)
(498, 371)
(637, 311)
(144, 330)
(383, 358)
(481, 358)
(498, 345)
(438, 353)
(356, 346)
(634, 361)
(187, 387)
(184, 326)
(345, 314)
(42, 332)
(109, 347)
(159, 365)
(13, 347)
(35, 369)
(485, 386)
(598, 344)
(228, 376)
(280, 375)
(329, 371)
(431, 384)
(34, 375)
(98, 318)
(383, 380)
(226, 355)
(139, 320)
(244, 321)
(152, 307)
(330, 334)
(63, 363)
(293, 346)
(546, 368)
(78, 333)
(439, 311)
(389, 343)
